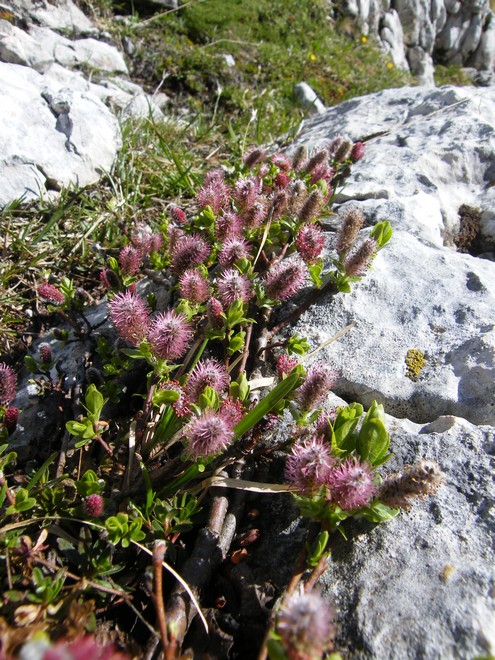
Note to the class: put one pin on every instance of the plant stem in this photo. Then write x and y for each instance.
(158, 556)
(317, 572)
(329, 287)
(197, 570)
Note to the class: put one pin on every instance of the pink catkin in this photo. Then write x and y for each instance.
(285, 279)
(208, 434)
(233, 249)
(189, 251)
(305, 626)
(10, 419)
(285, 364)
(8, 384)
(318, 382)
(232, 286)
(51, 294)
(309, 465)
(310, 242)
(194, 287)
(169, 335)
(94, 506)
(352, 484)
(209, 373)
(130, 259)
(130, 315)
(215, 194)
(214, 310)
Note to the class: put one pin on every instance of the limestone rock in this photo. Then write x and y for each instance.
(430, 569)
(422, 584)
(52, 136)
(445, 31)
(392, 38)
(308, 98)
(65, 17)
(431, 156)
(46, 53)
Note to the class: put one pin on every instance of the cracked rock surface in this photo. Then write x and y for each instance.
(61, 88)
(422, 585)
(433, 154)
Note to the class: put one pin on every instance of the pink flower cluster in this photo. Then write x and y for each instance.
(320, 379)
(8, 384)
(311, 466)
(209, 434)
(51, 294)
(305, 626)
(168, 334)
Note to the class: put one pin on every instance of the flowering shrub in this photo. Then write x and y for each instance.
(186, 376)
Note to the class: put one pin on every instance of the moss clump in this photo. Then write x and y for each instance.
(415, 361)
(469, 229)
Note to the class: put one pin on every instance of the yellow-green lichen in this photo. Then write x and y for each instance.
(415, 361)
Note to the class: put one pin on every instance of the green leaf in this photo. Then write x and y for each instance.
(3, 491)
(165, 396)
(298, 345)
(37, 476)
(94, 402)
(378, 512)
(236, 343)
(344, 426)
(239, 390)
(31, 364)
(344, 287)
(89, 484)
(235, 313)
(275, 650)
(22, 502)
(315, 271)
(269, 402)
(382, 233)
(316, 552)
(209, 398)
(373, 441)
(83, 430)
(377, 411)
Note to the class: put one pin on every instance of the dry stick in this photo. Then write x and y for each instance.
(311, 299)
(245, 355)
(158, 557)
(197, 571)
(316, 573)
(63, 454)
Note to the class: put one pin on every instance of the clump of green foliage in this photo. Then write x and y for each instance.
(126, 489)
(274, 45)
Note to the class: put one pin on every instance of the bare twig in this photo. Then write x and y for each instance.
(158, 556)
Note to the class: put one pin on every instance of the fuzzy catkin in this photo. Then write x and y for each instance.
(417, 481)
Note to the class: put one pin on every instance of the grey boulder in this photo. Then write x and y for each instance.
(430, 157)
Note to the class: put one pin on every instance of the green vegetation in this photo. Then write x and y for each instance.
(451, 75)
(216, 111)
(275, 44)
